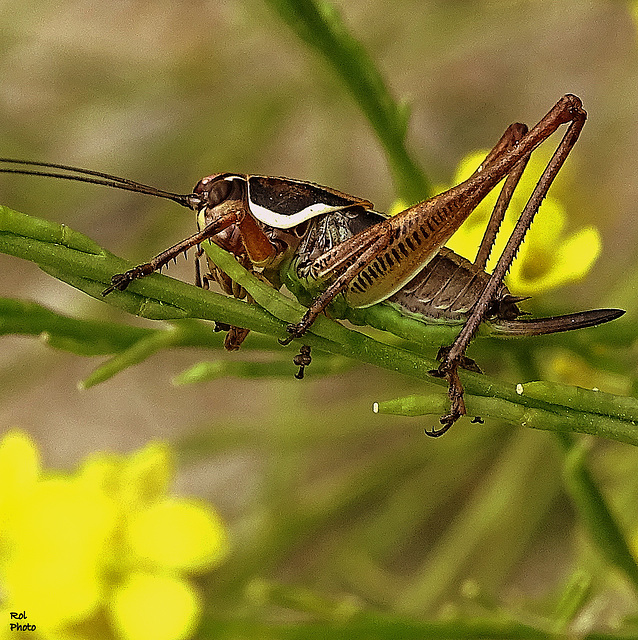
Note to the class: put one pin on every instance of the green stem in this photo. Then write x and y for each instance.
(77, 260)
(366, 625)
(320, 25)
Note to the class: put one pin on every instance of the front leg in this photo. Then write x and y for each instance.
(121, 280)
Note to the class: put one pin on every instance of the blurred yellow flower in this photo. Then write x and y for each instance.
(548, 258)
(103, 544)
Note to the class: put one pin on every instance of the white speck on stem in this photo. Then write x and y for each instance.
(519, 389)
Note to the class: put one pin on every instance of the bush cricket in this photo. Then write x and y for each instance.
(333, 250)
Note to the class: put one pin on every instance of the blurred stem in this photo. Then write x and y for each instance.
(320, 25)
(342, 620)
(595, 514)
(83, 337)
(575, 594)
(491, 508)
(294, 517)
(602, 526)
(136, 353)
(396, 519)
(206, 371)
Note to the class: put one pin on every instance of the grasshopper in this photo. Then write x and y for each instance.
(333, 250)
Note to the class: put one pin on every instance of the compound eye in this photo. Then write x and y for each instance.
(218, 192)
(214, 189)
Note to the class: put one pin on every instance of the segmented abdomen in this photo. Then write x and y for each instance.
(448, 287)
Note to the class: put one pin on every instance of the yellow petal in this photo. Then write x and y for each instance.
(178, 534)
(19, 467)
(147, 474)
(579, 252)
(468, 165)
(150, 607)
(571, 260)
(101, 472)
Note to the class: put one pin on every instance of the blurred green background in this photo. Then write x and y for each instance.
(317, 491)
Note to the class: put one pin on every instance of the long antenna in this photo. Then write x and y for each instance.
(106, 179)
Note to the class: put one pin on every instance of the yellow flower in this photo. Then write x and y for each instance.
(104, 544)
